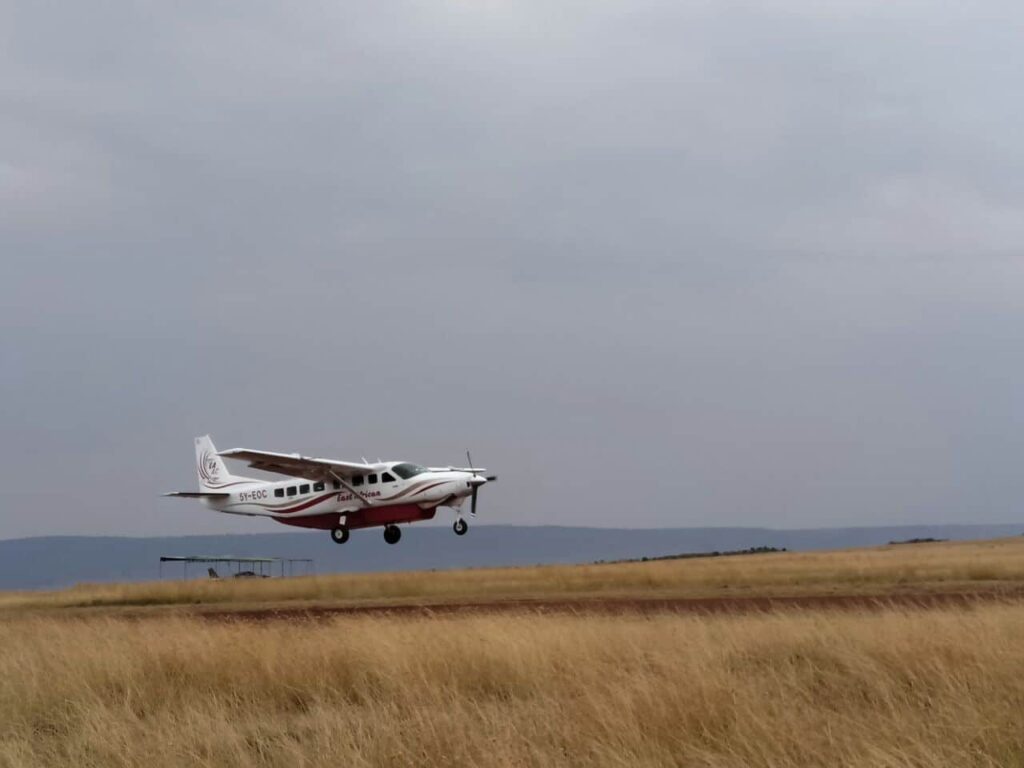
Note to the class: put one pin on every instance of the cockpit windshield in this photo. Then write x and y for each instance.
(405, 471)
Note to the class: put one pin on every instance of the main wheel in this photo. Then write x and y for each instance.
(392, 533)
(460, 527)
(339, 535)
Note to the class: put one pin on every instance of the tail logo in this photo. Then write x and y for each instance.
(209, 468)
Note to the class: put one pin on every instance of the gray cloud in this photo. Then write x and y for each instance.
(656, 263)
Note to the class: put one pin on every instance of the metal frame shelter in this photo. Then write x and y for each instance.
(261, 566)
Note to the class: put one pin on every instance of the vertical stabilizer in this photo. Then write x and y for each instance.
(213, 475)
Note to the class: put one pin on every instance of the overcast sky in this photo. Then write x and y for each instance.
(656, 263)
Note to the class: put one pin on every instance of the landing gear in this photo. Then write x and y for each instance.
(339, 535)
(392, 533)
(460, 527)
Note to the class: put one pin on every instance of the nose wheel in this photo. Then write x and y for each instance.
(392, 533)
(460, 527)
(339, 535)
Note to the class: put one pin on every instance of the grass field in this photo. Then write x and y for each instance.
(965, 566)
(129, 675)
(890, 688)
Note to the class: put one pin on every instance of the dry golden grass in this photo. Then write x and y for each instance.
(921, 567)
(891, 688)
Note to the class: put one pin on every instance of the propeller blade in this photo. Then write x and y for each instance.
(490, 478)
(469, 459)
(472, 507)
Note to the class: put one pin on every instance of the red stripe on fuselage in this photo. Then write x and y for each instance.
(305, 504)
(283, 508)
(420, 489)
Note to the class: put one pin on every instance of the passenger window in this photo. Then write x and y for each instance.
(304, 488)
(357, 480)
(292, 490)
(387, 478)
(318, 487)
(279, 492)
(337, 485)
(371, 479)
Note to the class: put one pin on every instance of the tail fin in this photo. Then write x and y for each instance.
(213, 475)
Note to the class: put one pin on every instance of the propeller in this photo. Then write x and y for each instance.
(475, 483)
(472, 506)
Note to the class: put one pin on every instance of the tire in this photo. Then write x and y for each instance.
(460, 527)
(392, 533)
(339, 535)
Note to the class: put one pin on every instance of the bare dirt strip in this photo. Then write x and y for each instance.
(626, 605)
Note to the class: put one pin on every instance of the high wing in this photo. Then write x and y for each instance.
(294, 465)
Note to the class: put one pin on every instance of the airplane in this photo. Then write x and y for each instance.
(339, 496)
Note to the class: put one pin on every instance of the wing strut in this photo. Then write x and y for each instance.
(349, 488)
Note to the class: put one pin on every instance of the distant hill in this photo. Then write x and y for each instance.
(56, 561)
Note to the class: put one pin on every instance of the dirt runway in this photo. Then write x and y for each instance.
(625, 605)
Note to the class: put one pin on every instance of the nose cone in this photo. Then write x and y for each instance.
(477, 480)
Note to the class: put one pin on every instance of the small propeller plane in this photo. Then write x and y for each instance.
(338, 496)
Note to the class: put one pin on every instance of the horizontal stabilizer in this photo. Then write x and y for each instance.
(197, 495)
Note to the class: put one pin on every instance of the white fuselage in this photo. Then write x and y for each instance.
(382, 487)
